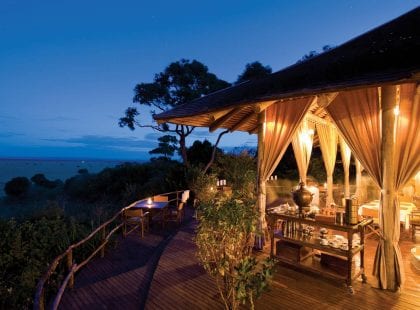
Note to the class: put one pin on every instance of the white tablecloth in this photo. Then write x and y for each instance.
(405, 210)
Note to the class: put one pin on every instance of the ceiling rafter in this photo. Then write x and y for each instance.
(220, 121)
(243, 120)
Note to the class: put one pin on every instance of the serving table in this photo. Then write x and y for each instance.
(331, 262)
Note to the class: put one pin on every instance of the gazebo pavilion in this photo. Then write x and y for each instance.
(363, 93)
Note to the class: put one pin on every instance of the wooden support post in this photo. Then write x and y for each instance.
(69, 267)
(259, 244)
(103, 233)
(359, 193)
(389, 215)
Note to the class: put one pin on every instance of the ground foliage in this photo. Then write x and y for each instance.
(225, 237)
(26, 248)
(47, 219)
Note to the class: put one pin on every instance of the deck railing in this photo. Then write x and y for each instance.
(72, 266)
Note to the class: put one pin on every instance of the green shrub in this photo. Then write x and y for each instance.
(17, 187)
(225, 237)
(26, 249)
(40, 180)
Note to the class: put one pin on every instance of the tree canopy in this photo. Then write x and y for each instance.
(167, 146)
(254, 70)
(182, 81)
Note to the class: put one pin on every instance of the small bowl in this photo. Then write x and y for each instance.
(324, 242)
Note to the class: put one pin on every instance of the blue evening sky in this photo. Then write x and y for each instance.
(68, 68)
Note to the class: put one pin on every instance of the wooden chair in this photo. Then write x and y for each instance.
(175, 214)
(414, 223)
(373, 214)
(134, 219)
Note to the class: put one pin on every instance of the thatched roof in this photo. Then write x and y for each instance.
(388, 54)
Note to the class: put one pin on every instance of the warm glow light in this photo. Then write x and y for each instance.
(325, 185)
(211, 188)
(397, 110)
(269, 126)
(149, 201)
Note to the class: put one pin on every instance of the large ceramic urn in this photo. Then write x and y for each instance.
(302, 197)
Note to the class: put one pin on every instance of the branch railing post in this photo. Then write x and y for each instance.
(69, 266)
(177, 199)
(40, 295)
(42, 300)
(103, 236)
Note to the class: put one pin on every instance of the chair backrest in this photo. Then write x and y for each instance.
(415, 216)
(133, 213)
(181, 206)
(160, 198)
(370, 213)
(185, 195)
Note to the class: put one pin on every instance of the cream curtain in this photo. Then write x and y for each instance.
(407, 163)
(407, 148)
(328, 142)
(345, 158)
(277, 125)
(302, 146)
(360, 193)
(358, 117)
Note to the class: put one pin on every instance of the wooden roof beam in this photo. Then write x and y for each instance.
(220, 121)
(242, 121)
(213, 116)
(323, 100)
(316, 119)
(259, 107)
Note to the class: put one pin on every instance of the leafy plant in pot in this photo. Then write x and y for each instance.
(225, 238)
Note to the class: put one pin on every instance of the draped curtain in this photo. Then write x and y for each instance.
(360, 192)
(302, 146)
(345, 158)
(407, 146)
(275, 132)
(407, 163)
(357, 116)
(328, 142)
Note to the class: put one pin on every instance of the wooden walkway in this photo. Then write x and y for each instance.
(169, 277)
(121, 279)
(180, 283)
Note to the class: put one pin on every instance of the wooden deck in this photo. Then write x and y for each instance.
(163, 273)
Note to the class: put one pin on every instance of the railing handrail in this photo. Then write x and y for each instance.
(39, 302)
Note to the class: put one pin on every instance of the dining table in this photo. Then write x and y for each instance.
(405, 210)
(154, 205)
(153, 208)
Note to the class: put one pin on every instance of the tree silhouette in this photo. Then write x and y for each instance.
(167, 146)
(312, 54)
(253, 71)
(182, 81)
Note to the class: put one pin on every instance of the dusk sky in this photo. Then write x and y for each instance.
(68, 68)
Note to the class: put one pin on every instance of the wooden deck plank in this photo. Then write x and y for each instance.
(290, 289)
(179, 282)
